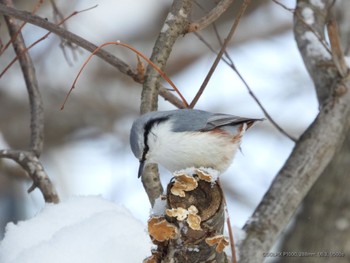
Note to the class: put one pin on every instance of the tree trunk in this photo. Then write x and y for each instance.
(323, 225)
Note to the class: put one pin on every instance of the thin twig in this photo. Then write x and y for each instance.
(36, 8)
(118, 43)
(209, 18)
(104, 55)
(219, 56)
(41, 39)
(291, 10)
(43, 23)
(337, 51)
(267, 115)
(58, 16)
(229, 227)
(230, 63)
(284, 6)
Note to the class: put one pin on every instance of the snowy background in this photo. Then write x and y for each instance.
(105, 166)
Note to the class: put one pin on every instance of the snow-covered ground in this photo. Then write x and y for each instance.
(81, 229)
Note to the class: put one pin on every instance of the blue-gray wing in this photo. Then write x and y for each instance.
(198, 120)
(220, 120)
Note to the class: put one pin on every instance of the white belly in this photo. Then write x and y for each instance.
(180, 150)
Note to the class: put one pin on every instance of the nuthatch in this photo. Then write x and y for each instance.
(185, 138)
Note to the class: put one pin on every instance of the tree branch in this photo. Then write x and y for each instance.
(315, 148)
(35, 100)
(209, 18)
(317, 59)
(41, 22)
(220, 54)
(32, 165)
(311, 154)
(174, 26)
(29, 159)
(73, 38)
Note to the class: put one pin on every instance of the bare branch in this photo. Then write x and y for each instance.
(315, 148)
(35, 9)
(41, 22)
(337, 51)
(317, 57)
(174, 26)
(230, 63)
(29, 159)
(209, 18)
(171, 98)
(31, 164)
(309, 158)
(106, 56)
(222, 50)
(35, 100)
(266, 113)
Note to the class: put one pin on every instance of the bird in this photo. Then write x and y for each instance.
(185, 138)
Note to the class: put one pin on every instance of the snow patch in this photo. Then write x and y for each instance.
(315, 47)
(347, 61)
(342, 224)
(308, 15)
(159, 207)
(317, 3)
(82, 229)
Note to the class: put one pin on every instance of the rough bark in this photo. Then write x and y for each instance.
(315, 148)
(29, 159)
(323, 224)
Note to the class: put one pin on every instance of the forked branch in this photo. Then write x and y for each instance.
(29, 160)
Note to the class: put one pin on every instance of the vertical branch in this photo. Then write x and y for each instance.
(309, 35)
(35, 100)
(220, 54)
(29, 159)
(210, 18)
(174, 26)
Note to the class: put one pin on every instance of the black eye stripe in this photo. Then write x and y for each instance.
(146, 130)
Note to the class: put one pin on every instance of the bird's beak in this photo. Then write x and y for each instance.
(142, 164)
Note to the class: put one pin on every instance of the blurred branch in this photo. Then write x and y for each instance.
(222, 51)
(337, 50)
(43, 23)
(35, 100)
(174, 26)
(35, 9)
(316, 55)
(209, 18)
(32, 165)
(228, 60)
(29, 159)
(58, 16)
(315, 148)
(71, 37)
